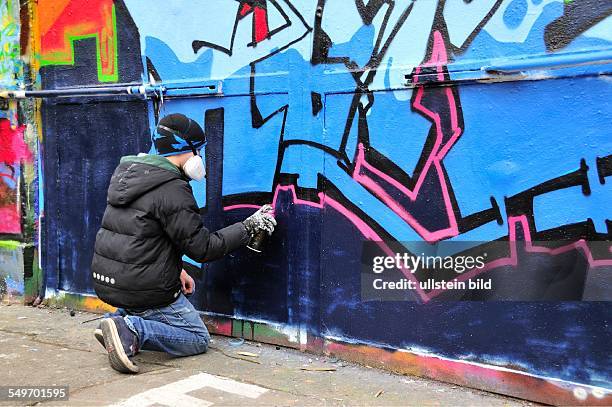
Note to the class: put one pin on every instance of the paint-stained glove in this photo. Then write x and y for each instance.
(260, 220)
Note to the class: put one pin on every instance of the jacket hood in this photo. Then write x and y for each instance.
(137, 175)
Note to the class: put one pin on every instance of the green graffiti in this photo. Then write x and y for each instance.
(9, 43)
(9, 244)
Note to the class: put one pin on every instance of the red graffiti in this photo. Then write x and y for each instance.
(62, 22)
(13, 150)
(260, 18)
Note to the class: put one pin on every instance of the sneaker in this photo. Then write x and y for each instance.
(99, 337)
(120, 343)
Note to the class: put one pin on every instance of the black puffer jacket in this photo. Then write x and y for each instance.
(151, 221)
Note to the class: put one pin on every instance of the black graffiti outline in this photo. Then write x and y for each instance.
(514, 205)
(561, 32)
(197, 45)
(470, 38)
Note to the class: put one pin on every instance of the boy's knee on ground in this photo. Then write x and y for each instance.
(204, 341)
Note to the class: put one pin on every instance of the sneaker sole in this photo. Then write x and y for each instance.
(117, 357)
(99, 337)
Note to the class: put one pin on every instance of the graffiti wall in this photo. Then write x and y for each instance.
(392, 122)
(12, 148)
(19, 268)
(12, 151)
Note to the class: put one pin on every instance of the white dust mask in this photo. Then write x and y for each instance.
(194, 168)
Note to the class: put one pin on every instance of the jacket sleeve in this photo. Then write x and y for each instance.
(180, 218)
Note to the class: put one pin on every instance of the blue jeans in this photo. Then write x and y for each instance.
(176, 329)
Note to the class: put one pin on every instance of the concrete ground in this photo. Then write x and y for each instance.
(42, 346)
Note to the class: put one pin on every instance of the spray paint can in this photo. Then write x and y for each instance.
(257, 241)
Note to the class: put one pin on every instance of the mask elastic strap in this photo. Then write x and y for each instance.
(168, 129)
(195, 152)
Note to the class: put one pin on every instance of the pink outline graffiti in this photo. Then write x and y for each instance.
(438, 59)
(433, 162)
(241, 206)
(371, 235)
(513, 221)
(362, 226)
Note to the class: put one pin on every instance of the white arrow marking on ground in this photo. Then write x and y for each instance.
(175, 394)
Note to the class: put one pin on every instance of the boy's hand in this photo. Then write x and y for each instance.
(263, 219)
(187, 283)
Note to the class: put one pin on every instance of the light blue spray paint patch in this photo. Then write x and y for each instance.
(168, 21)
(576, 207)
(513, 141)
(409, 129)
(170, 68)
(515, 13)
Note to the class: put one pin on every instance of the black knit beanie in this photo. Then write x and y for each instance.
(177, 134)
